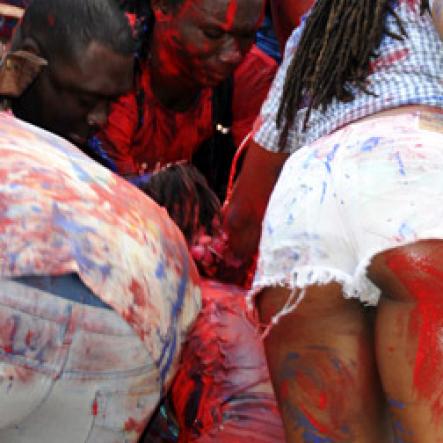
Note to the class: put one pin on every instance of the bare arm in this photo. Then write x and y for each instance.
(244, 213)
(437, 15)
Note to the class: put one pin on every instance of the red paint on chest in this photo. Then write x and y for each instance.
(424, 281)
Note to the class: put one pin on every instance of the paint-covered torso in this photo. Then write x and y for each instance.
(163, 135)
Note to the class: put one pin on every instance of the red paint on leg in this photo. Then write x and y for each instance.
(424, 281)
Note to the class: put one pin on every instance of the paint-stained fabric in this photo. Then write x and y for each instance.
(167, 136)
(405, 72)
(61, 213)
(370, 187)
(222, 392)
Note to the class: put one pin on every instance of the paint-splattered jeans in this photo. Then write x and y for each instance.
(71, 370)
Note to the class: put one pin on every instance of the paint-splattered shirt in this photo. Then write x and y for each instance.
(166, 136)
(406, 72)
(62, 213)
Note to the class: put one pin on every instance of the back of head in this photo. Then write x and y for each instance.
(65, 28)
(187, 197)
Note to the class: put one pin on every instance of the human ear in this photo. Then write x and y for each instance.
(18, 70)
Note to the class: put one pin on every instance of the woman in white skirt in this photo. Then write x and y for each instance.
(356, 218)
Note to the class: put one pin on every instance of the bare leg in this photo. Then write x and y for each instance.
(409, 335)
(322, 367)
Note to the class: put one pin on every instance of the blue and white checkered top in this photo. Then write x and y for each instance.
(407, 72)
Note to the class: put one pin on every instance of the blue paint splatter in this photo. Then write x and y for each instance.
(330, 157)
(323, 192)
(68, 224)
(401, 166)
(396, 404)
(160, 271)
(81, 173)
(170, 342)
(405, 232)
(308, 160)
(370, 144)
(310, 434)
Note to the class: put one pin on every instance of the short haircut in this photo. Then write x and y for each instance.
(65, 28)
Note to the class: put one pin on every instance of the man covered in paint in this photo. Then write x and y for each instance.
(97, 289)
(200, 83)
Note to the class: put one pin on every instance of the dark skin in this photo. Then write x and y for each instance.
(286, 15)
(71, 96)
(199, 44)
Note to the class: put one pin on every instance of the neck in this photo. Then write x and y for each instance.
(174, 91)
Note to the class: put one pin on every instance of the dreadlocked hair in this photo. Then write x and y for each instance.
(187, 197)
(334, 54)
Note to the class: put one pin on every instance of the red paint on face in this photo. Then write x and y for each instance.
(231, 14)
(424, 281)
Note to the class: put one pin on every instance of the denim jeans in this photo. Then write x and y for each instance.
(71, 369)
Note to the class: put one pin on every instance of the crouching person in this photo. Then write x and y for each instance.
(97, 289)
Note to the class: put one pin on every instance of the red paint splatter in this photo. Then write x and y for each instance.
(323, 400)
(284, 390)
(389, 59)
(424, 281)
(29, 337)
(231, 14)
(138, 293)
(132, 425)
(8, 349)
(95, 408)
(320, 427)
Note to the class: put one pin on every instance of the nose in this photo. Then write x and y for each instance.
(98, 117)
(231, 53)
